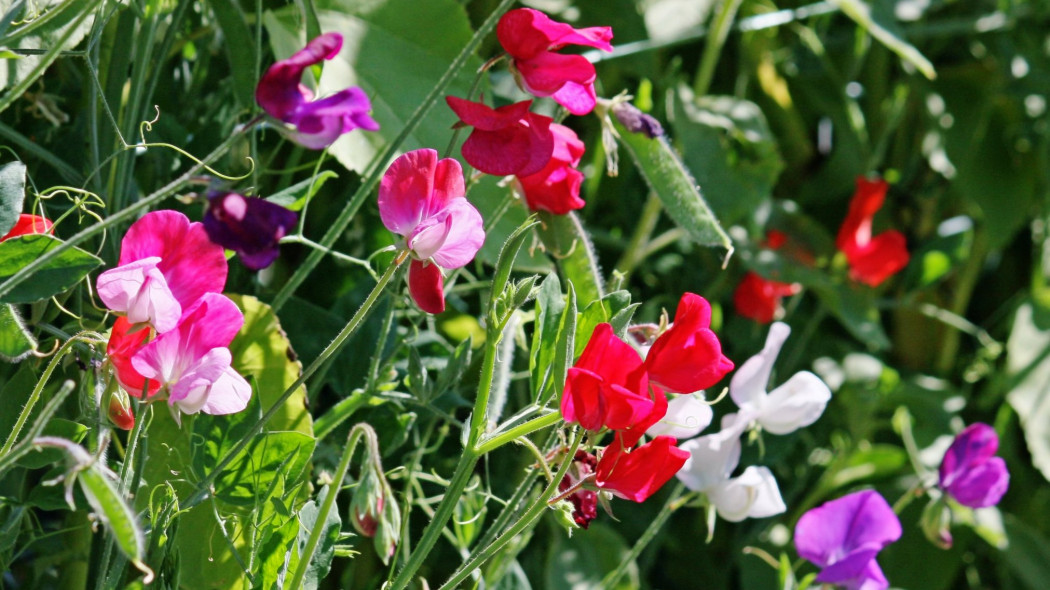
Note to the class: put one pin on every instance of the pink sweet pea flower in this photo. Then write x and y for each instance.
(608, 388)
(317, 123)
(556, 187)
(421, 199)
(872, 259)
(688, 356)
(192, 362)
(507, 140)
(166, 264)
(29, 224)
(531, 38)
(636, 474)
(970, 472)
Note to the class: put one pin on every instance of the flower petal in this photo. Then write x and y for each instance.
(426, 285)
(465, 236)
(795, 404)
(139, 290)
(686, 416)
(748, 386)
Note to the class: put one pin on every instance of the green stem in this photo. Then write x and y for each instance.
(348, 212)
(634, 253)
(610, 580)
(713, 47)
(496, 441)
(123, 215)
(526, 521)
(339, 412)
(329, 501)
(333, 348)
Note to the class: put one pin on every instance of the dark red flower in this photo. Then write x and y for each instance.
(584, 501)
(427, 285)
(636, 474)
(556, 188)
(531, 38)
(688, 356)
(507, 140)
(29, 224)
(760, 299)
(872, 259)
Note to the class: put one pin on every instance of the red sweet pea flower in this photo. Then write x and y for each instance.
(872, 260)
(688, 356)
(608, 387)
(556, 188)
(121, 347)
(760, 299)
(29, 224)
(507, 140)
(584, 501)
(531, 37)
(636, 474)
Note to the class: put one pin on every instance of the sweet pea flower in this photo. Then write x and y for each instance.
(970, 472)
(531, 37)
(872, 259)
(584, 501)
(192, 362)
(686, 416)
(556, 187)
(250, 226)
(608, 388)
(796, 403)
(688, 356)
(712, 460)
(843, 537)
(421, 199)
(124, 343)
(315, 124)
(507, 140)
(760, 299)
(635, 474)
(29, 224)
(166, 264)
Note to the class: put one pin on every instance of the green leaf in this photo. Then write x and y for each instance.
(885, 30)
(12, 194)
(296, 197)
(728, 145)
(669, 179)
(61, 273)
(15, 340)
(396, 51)
(583, 560)
(615, 308)
(240, 47)
(567, 241)
(321, 561)
(1028, 368)
(1028, 554)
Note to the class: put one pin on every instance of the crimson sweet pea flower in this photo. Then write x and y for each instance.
(251, 226)
(872, 259)
(507, 140)
(122, 346)
(636, 474)
(531, 37)
(316, 124)
(970, 472)
(608, 387)
(584, 501)
(421, 199)
(761, 299)
(556, 188)
(688, 356)
(29, 224)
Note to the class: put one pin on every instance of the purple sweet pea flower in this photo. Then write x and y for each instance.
(970, 472)
(250, 226)
(843, 537)
(317, 123)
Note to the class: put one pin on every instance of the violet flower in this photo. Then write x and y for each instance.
(316, 123)
(970, 472)
(843, 537)
(251, 226)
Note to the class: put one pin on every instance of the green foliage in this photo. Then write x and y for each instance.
(57, 276)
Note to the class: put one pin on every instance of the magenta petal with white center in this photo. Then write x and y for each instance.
(139, 290)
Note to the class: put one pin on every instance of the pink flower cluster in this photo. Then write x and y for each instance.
(175, 327)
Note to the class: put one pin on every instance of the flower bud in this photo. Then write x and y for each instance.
(636, 121)
(367, 503)
(936, 523)
(120, 413)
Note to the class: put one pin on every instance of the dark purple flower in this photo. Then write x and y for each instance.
(320, 122)
(636, 121)
(250, 226)
(843, 537)
(970, 472)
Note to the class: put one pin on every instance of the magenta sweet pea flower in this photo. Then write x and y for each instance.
(507, 140)
(421, 198)
(166, 264)
(192, 362)
(970, 472)
(316, 124)
(531, 37)
(251, 226)
(843, 537)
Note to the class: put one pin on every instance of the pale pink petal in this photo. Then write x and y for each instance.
(229, 394)
(139, 290)
(404, 191)
(430, 235)
(190, 392)
(465, 237)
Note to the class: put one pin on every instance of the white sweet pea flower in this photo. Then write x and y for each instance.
(796, 403)
(712, 460)
(686, 417)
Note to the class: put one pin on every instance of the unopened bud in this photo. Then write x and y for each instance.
(367, 503)
(119, 410)
(936, 523)
(636, 121)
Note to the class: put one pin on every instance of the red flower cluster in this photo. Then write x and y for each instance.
(511, 140)
(611, 387)
(872, 259)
